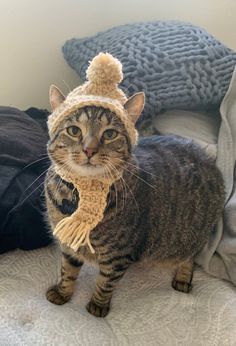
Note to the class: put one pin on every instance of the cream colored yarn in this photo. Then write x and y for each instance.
(75, 230)
(101, 90)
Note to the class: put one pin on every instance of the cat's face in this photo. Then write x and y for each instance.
(91, 142)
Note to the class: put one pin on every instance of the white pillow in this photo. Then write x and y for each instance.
(202, 127)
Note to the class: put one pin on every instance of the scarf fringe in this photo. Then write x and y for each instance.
(74, 233)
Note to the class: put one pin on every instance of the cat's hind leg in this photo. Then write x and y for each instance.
(183, 278)
(63, 291)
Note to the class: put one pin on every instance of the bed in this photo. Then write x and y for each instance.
(145, 309)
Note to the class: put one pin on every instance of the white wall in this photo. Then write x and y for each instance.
(33, 31)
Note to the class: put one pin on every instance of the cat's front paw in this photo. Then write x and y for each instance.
(182, 286)
(54, 296)
(96, 310)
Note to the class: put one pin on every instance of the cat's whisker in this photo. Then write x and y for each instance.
(116, 172)
(131, 192)
(131, 164)
(68, 168)
(124, 192)
(123, 184)
(36, 179)
(28, 196)
(41, 159)
(50, 176)
(138, 177)
(57, 187)
(160, 194)
(143, 180)
(107, 177)
(111, 176)
(53, 176)
(44, 154)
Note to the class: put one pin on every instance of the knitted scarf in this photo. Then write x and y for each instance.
(74, 231)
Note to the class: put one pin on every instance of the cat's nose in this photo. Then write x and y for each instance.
(89, 152)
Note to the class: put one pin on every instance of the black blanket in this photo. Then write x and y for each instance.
(23, 164)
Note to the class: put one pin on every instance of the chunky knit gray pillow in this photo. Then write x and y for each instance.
(176, 64)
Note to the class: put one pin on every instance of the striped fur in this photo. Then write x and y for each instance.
(163, 209)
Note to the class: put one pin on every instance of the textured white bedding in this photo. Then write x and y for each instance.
(145, 309)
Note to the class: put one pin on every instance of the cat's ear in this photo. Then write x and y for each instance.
(55, 97)
(135, 105)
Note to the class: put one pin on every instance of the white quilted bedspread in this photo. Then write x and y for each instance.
(145, 309)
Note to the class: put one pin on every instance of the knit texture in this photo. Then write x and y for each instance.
(75, 230)
(101, 90)
(177, 65)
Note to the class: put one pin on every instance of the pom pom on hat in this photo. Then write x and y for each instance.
(105, 69)
(101, 90)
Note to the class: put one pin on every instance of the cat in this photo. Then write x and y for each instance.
(162, 209)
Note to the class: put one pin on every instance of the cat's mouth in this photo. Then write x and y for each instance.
(88, 169)
(89, 164)
(93, 168)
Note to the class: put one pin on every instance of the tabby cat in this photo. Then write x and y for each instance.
(168, 200)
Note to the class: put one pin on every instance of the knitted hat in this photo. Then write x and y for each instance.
(104, 74)
(101, 90)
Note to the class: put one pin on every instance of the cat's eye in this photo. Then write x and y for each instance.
(110, 134)
(73, 131)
